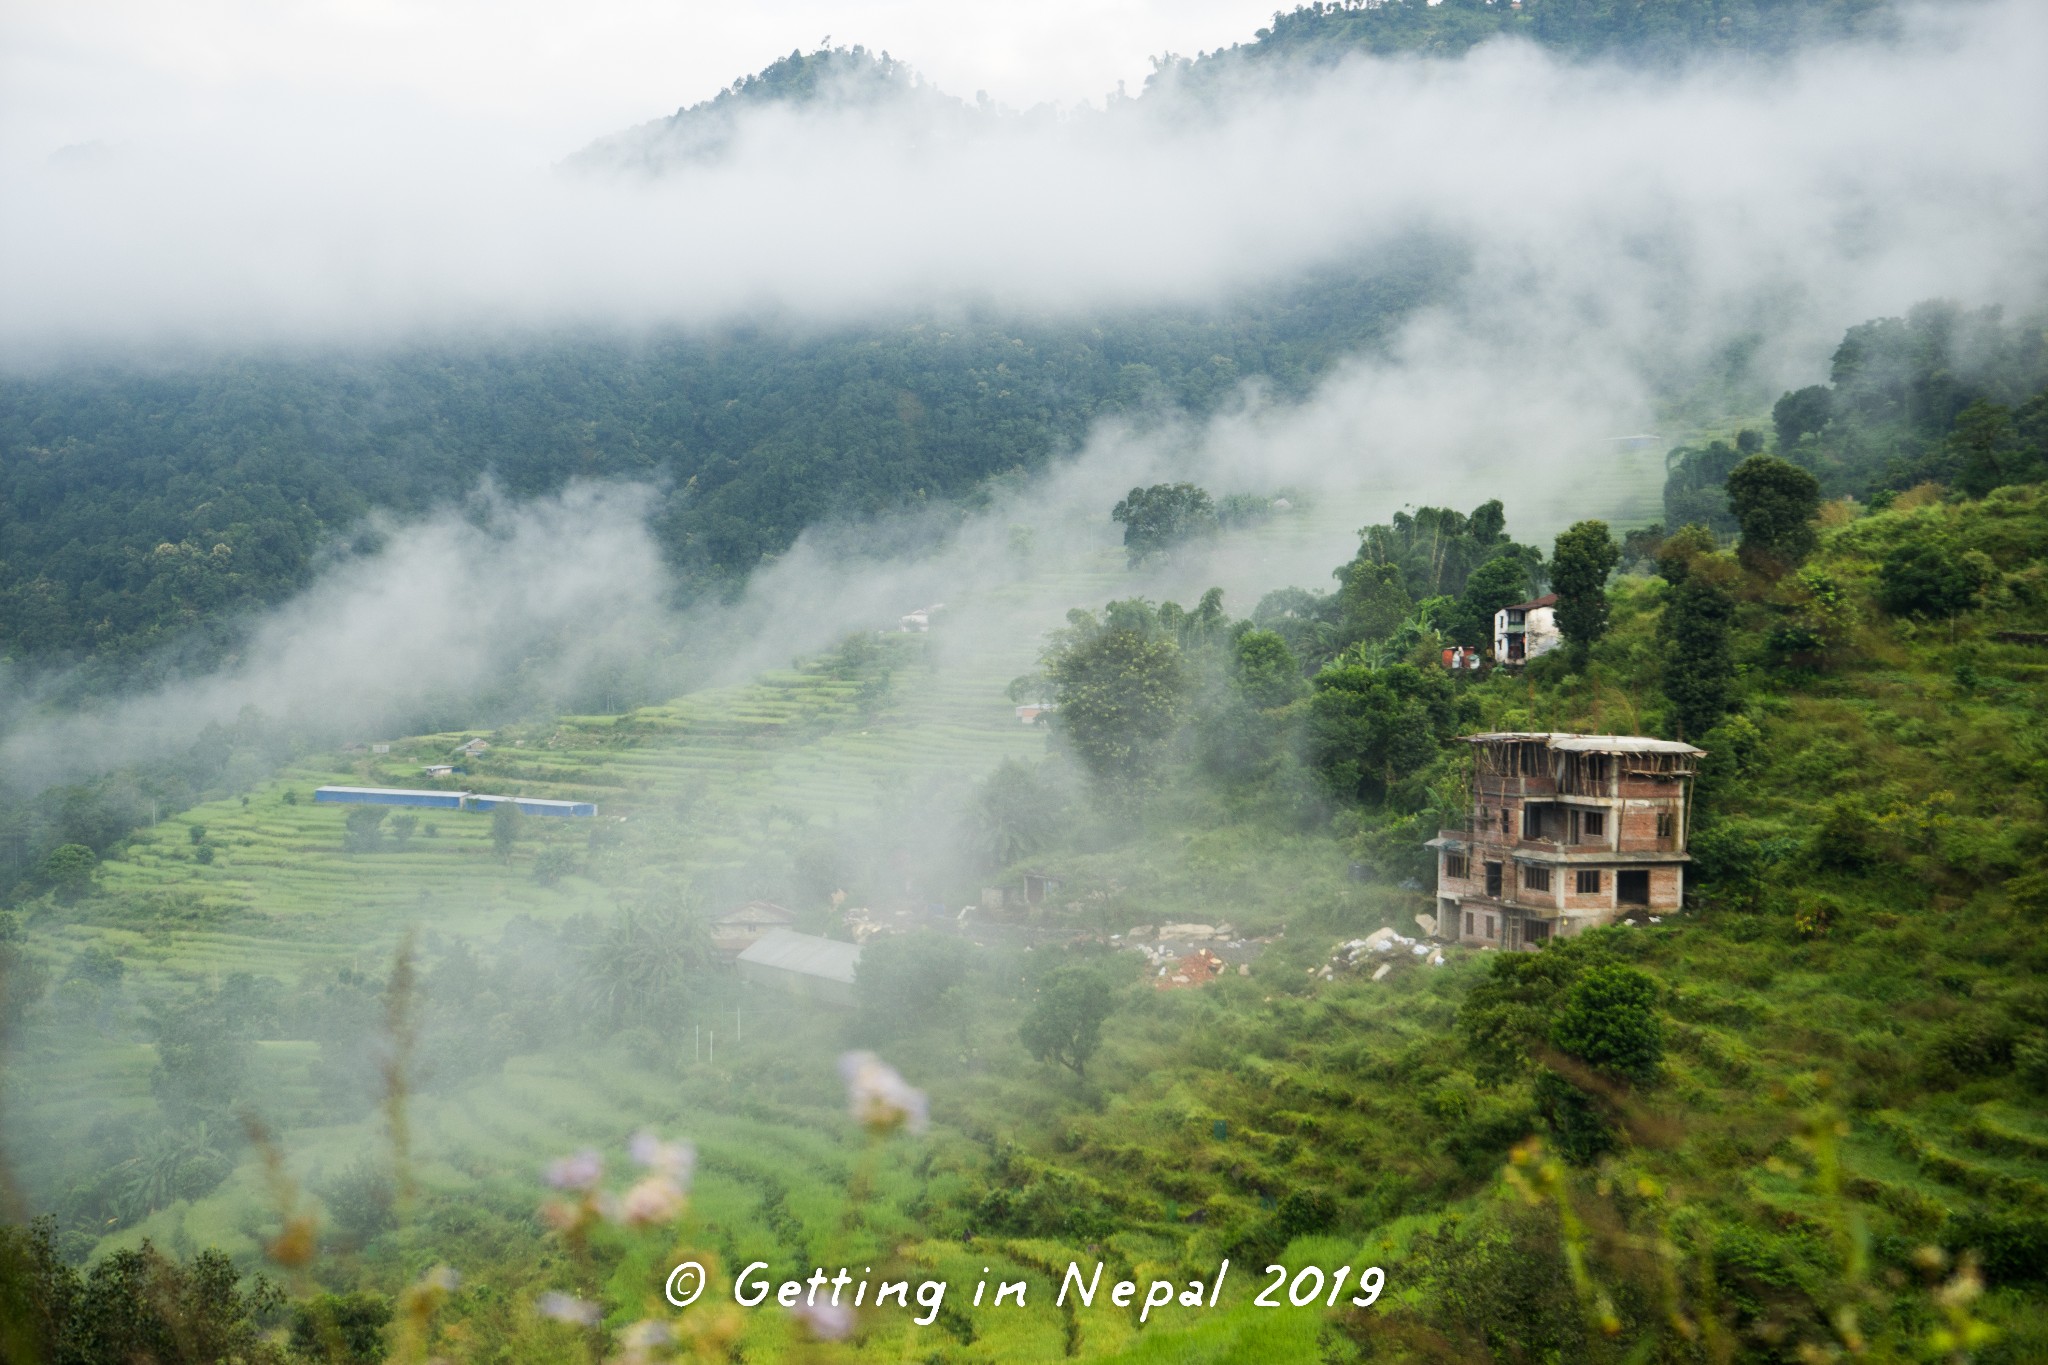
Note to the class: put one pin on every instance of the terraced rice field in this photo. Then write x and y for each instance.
(690, 784)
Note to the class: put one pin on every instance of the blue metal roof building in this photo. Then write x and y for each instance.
(397, 796)
(532, 805)
(388, 796)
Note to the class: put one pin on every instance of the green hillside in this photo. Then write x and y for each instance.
(1852, 1041)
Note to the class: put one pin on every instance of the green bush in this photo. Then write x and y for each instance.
(1609, 1020)
(2012, 1247)
(553, 864)
(1976, 1047)
(70, 870)
(363, 830)
(1846, 839)
(341, 1329)
(908, 982)
(1923, 578)
(360, 1201)
(1305, 1211)
(1578, 1122)
(2030, 1061)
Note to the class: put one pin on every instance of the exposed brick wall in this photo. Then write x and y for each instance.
(1593, 900)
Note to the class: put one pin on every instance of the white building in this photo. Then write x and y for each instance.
(1525, 630)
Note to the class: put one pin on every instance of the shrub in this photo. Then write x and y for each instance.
(1066, 1017)
(2029, 894)
(553, 864)
(1976, 1047)
(2011, 1247)
(364, 829)
(907, 982)
(1923, 578)
(360, 1201)
(1846, 839)
(2030, 1061)
(1305, 1211)
(70, 870)
(1813, 916)
(341, 1329)
(1576, 1120)
(1610, 1021)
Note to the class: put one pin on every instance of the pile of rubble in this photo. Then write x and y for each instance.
(1198, 968)
(1187, 954)
(1383, 945)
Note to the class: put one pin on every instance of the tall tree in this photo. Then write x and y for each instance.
(1699, 667)
(1800, 412)
(1580, 563)
(1264, 670)
(1373, 597)
(1120, 692)
(1775, 504)
(1369, 728)
(1066, 1017)
(1500, 582)
(1157, 519)
(505, 828)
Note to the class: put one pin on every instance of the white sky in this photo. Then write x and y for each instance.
(560, 71)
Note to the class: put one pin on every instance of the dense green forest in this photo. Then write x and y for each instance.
(1941, 395)
(144, 511)
(146, 506)
(1646, 32)
(1640, 31)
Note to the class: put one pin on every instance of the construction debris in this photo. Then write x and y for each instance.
(1380, 943)
(1198, 968)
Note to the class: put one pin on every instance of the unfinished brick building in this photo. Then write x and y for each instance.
(1567, 832)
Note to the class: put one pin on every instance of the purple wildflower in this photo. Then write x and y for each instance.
(568, 1308)
(827, 1321)
(579, 1172)
(676, 1160)
(657, 1199)
(878, 1097)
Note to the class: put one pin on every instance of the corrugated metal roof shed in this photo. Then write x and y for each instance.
(1621, 744)
(1588, 744)
(533, 805)
(386, 796)
(805, 954)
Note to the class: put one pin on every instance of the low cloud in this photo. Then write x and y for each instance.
(536, 600)
(1655, 208)
(1626, 235)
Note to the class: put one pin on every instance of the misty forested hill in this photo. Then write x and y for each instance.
(1659, 32)
(846, 76)
(144, 508)
(1638, 30)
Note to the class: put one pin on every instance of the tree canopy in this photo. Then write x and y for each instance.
(1159, 519)
(1064, 1024)
(1774, 503)
(1579, 566)
(1120, 688)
